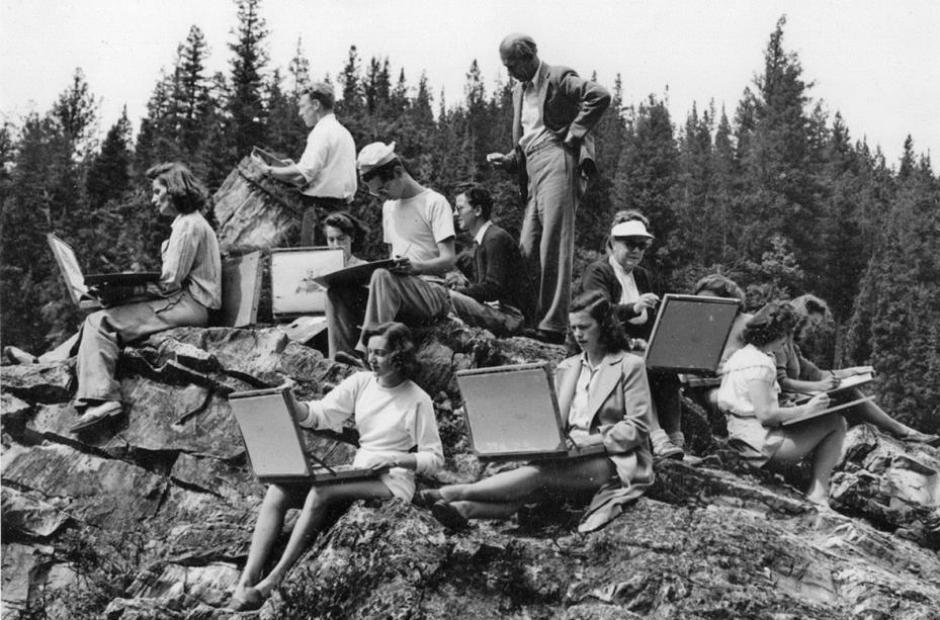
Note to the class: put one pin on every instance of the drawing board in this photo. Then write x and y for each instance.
(295, 290)
(690, 333)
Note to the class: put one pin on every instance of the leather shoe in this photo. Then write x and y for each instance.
(449, 516)
(98, 414)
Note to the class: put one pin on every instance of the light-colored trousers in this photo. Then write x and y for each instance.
(392, 297)
(106, 331)
(547, 238)
(501, 322)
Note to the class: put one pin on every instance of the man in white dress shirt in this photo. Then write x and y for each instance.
(326, 172)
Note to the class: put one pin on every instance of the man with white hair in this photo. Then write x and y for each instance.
(554, 111)
(418, 226)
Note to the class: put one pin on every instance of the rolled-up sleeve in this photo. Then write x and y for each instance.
(430, 455)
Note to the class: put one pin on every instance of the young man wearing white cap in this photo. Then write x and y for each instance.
(326, 171)
(418, 226)
(628, 285)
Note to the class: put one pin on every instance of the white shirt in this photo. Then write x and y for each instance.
(478, 238)
(533, 126)
(329, 161)
(414, 226)
(630, 294)
(579, 415)
(390, 421)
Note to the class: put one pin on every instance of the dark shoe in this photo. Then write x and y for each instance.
(96, 415)
(543, 335)
(427, 498)
(449, 516)
(350, 359)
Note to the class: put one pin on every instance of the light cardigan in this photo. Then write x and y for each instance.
(390, 421)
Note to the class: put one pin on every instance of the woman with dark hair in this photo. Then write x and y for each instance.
(190, 286)
(605, 399)
(392, 414)
(797, 375)
(749, 396)
(345, 232)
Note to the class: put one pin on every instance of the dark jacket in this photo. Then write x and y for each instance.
(497, 272)
(600, 276)
(573, 106)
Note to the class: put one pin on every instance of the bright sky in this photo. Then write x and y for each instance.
(878, 62)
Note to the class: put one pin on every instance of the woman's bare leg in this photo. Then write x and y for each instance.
(821, 436)
(267, 528)
(315, 508)
(870, 412)
(502, 495)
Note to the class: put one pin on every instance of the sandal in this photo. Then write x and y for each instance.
(449, 516)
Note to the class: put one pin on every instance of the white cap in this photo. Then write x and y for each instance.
(375, 155)
(633, 228)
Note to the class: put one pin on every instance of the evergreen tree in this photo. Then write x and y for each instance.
(109, 174)
(246, 90)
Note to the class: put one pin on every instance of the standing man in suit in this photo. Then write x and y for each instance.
(554, 111)
(498, 298)
(326, 172)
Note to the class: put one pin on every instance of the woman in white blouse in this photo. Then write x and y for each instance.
(749, 398)
(190, 286)
(392, 415)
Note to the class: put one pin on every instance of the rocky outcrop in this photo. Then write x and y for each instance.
(152, 517)
(254, 211)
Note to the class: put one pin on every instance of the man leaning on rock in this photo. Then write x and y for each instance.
(326, 171)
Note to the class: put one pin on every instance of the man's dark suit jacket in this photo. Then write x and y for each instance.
(498, 274)
(572, 106)
(600, 276)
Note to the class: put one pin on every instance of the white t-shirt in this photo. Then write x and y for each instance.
(329, 161)
(414, 226)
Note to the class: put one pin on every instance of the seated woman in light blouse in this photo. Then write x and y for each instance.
(190, 286)
(392, 415)
(605, 398)
(749, 397)
(797, 375)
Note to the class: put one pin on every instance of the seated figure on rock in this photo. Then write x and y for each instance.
(630, 287)
(190, 286)
(392, 415)
(749, 397)
(418, 226)
(498, 297)
(604, 397)
(797, 375)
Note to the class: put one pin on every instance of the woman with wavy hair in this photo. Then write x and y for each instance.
(392, 414)
(190, 286)
(749, 397)
(605, 399)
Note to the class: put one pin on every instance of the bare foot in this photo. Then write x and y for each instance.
(246, 598)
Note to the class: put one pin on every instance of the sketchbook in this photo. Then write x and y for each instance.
(512, 412)
(838, 407)
(269, 158)
(690, 332)
(358, 274)
(845, 384)
(107, 288)
(275, 446)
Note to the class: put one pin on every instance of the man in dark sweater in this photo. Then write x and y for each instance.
(497, 297)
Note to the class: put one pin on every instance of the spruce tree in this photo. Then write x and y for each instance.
(246, 88)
